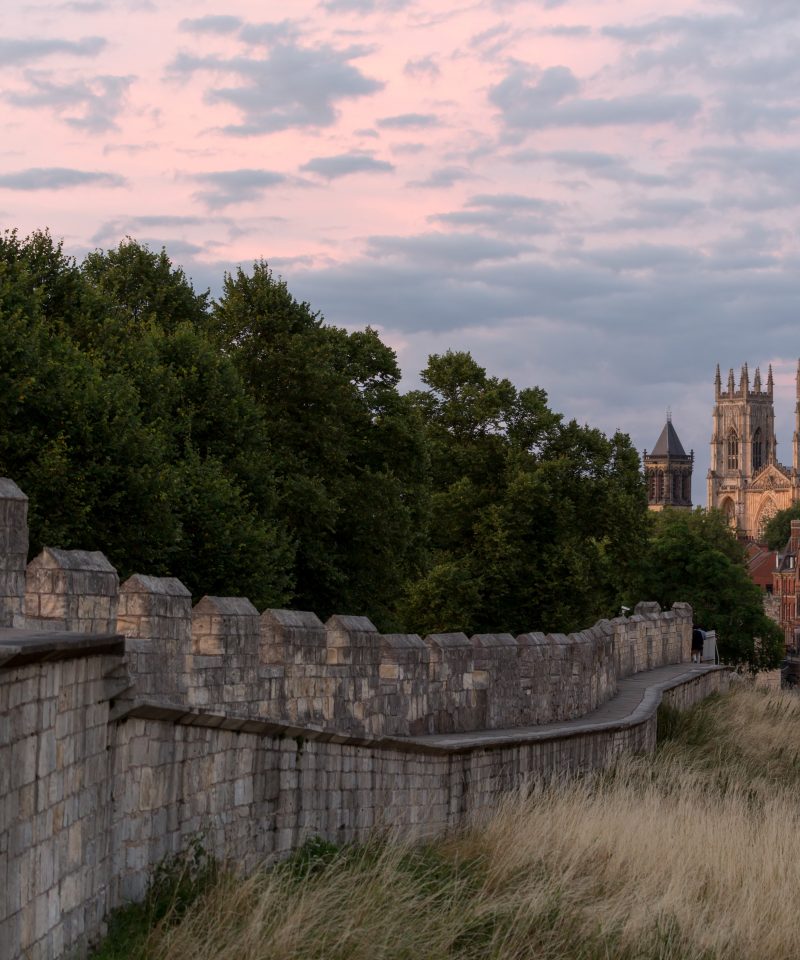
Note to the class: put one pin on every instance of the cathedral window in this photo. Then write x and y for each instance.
(676, 488)
(758, 450)
(733, 451)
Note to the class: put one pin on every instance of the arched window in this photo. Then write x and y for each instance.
(676, 487)
(660, 485)
(733, 450)
(768, 511)
(687, 486)
(758, 450)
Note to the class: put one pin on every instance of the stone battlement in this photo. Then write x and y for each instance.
(286, 665)
(131, 719)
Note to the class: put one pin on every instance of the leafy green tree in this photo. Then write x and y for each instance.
(127, 427)
(536, 523)
(348, 449)
(694, 557)
(778, 528)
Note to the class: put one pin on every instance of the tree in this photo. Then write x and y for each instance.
(348, 449)
(694, 557)
(536, 523)
(778, 528)
(127, 427)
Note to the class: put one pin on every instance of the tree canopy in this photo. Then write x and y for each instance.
(248, 447)
(778, 527)
(694, 556)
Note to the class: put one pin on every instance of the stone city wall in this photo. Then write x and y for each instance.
(96, 789)
(342, 675)
(130, 720)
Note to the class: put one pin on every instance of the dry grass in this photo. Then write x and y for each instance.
(692, 854)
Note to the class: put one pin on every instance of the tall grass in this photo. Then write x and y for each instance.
(693, 853)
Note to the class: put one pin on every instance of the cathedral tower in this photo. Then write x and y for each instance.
(668, 471)
(745, 480)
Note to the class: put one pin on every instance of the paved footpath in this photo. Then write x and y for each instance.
(636, 697)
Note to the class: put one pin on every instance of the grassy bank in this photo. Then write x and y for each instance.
(694, 853)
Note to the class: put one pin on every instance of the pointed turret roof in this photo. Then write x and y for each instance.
(668, 443)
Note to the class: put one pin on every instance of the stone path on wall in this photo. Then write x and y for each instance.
(637, 695)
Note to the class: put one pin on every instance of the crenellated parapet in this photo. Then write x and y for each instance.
(223, 656)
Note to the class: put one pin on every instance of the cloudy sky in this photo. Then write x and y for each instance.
(590, 195)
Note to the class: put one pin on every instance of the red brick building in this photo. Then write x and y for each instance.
(785, 588)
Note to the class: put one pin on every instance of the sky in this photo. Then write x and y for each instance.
(596, 197)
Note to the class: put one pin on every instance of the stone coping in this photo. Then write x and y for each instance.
(436, 744)
(21, 647)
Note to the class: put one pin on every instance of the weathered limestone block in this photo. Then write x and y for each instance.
(681, 643)
(404, 685)
(13, 553)
(156, 614)
(604, 674)
(452, 660)
(496, 679)
(71, 590)
(537, 690)
(354, 658)
(294, 643)
(226, 635)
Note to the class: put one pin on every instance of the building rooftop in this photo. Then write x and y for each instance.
(668, 444)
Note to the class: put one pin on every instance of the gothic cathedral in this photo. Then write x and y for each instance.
(745, 480)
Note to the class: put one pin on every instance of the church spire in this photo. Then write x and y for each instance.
(744, 381)
(717, 384)
(757, 381)
(731, 383)
(770, 384)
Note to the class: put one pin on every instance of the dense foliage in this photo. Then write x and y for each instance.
(694, 556)
(778, 528)
(248, 447)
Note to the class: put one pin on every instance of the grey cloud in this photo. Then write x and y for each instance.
(408, 121)
(86, 6)
(564, 30)
(509, 214)
(363, 6)
(708, 27)
(604, 166)
(642, 256)
(496, 220)
(750, 168)
(492, 33)
(97, 100)
(531, 99)
(290, 86)
(57, 178)
(228, 187)
(134, 226)
(214, 23)
(655, 214)
(459, 248)
(271, 32)
(422, 67)
(18, 51)
(512, 202)
(409, 149)
(443, 177)
(491, 42)
(344, 164)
